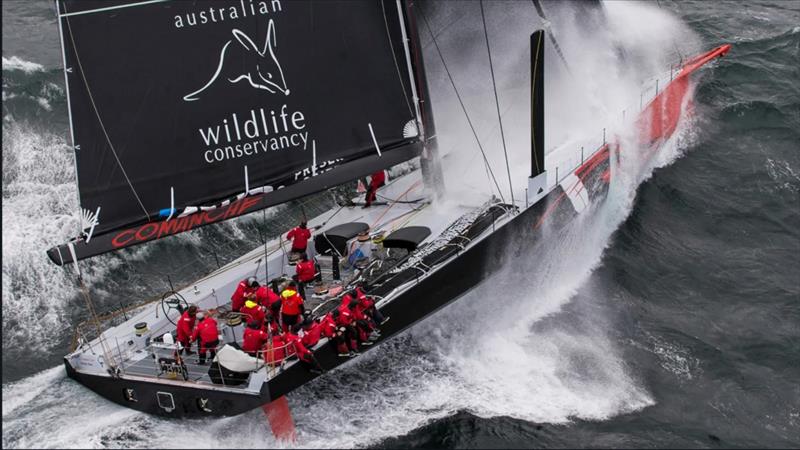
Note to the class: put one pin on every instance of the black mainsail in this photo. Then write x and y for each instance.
(189, 113)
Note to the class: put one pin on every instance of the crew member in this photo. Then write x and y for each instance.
(246, 289)
(312, 331)
(265, 296)
(294, 346)
(185, 329)
(254, 338)
(253, 312)
(299, 237)
(208, 335)
(377, 180)
(347, 330)
(291, 306)
(360, 322)
(306, 273)
(367, 304)
(274, 351)
(271, 301)
(331, 330)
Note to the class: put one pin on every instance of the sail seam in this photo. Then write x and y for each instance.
(100, 120)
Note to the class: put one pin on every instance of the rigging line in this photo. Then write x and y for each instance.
(497, 103)
(97, 114)
(463, 108)
(399, 75)
(411, 188)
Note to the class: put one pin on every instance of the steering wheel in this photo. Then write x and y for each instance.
(173, 300)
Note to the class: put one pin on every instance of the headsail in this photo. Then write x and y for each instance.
(178, 109)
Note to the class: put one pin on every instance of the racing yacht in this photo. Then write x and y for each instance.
(201, 120)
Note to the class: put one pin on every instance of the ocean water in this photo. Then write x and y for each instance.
(670, 317)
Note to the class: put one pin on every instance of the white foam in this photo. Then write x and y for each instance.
(39, 205)
(17, 63)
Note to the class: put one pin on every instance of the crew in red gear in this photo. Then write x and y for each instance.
(266, 296)
(346, 331)
(312, 331)
(246, 289)
(291, 306)
(208, 335)
(299, 237)
(253, 312)
(360, 322)
(274, 354)
(254, 338)
(185, 329)
(270, 300)
(377, 180)
(327, 326)
(367, 305)
(306, 271)
(294, 346)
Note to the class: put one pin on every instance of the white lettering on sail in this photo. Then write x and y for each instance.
(211, 135)
(258, 131)
(261, 146)
(246, 8)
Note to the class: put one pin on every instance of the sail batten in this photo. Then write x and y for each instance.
(169, 119)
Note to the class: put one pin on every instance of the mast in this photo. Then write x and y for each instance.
(430, 161)
(537, 182)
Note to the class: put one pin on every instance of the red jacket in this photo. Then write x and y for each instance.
(345, 317)
(206, 330)
(242, 292)
(277, 353)
(266, 296)
(254, 339)
(377, 179)
(295, 346)
(254, 312)
(291, 302)
(185, 326)
(327, 326)
(311, 336)
(358, 313)
(364, 301)
(345, 302)
(306, 271)
(299, 237)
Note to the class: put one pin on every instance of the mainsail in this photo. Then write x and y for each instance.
(189, 113)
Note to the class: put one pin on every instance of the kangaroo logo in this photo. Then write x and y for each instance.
(261, 67)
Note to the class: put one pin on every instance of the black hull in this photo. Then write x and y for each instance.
(451, 281)
(186, 399)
